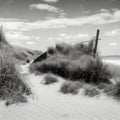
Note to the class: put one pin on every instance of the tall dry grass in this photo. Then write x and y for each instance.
(12, 87)
(75, 63)
(11, 84)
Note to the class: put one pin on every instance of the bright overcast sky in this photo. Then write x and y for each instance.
(38, 24)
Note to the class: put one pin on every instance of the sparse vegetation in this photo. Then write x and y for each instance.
(113, 90)
(49, 79)
(23, 55)
(71, 87)
(116, 93)
(90, 90)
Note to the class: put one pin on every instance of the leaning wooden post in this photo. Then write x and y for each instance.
(96, 43)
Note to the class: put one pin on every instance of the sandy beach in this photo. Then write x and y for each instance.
(47, 103)
(60, 59)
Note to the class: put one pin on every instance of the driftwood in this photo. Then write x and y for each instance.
(41, 57)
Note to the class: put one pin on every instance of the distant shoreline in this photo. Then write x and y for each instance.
(111, 57)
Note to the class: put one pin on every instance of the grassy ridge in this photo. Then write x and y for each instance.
(20, 55)
(23, 55)
(75, 63)
(12, 87)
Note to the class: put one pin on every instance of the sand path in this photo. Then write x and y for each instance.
(49, 104)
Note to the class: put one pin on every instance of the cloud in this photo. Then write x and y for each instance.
(30, 42)
(14, 36)
(19, 37)
(112, 33)
(47, 7)
(103, 10)
(100, 18)
(50, 1)
(113, 44)
(113, 0)
(78, 36)
(13, 24)
(71, 39)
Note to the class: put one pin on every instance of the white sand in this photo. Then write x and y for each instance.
(49, 104)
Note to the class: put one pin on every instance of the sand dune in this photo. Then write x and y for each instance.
(48, 103)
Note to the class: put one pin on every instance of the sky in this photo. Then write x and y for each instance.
(39, 24)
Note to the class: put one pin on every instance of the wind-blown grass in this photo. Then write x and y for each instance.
(12, 87)
(71, 87)
(90, 90)
(75, 63)
(49, 79)
(11, 84)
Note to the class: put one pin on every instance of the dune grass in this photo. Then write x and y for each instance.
(12, 87)
(91, 90)
(49, 79)
(75, 63)
(113, 90)
(23, 55)
(71, 87)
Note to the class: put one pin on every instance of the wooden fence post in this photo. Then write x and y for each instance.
(96, 43)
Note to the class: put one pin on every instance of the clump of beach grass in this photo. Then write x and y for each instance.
(70, 87)
(49, 79)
